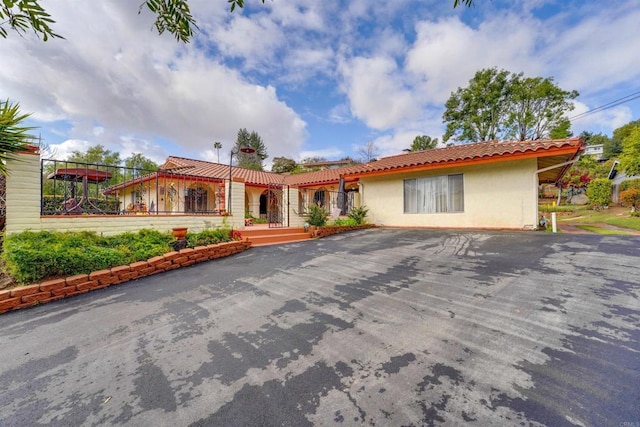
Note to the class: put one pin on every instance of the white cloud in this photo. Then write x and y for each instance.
(113, 70)
(329, 153)
(604, 121)
(340, 114)
(377, 93)
(305, 14)
(599, 51)
(382, 69)
(131, 145)
(255, 39)
(303, 63)
(63, 150)
(447, 53)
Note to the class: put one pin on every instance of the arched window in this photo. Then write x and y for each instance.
(319, 197)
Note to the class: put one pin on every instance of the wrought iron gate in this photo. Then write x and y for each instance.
(277, 206)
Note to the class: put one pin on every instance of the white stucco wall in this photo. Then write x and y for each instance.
(496, 195)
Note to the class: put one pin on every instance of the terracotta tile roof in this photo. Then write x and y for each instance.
(466, 153)
(450, 156)
(317, 177)
(186, 166)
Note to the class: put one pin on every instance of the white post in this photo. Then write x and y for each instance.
(554, 225)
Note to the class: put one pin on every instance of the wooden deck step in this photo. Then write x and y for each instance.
(261, 236)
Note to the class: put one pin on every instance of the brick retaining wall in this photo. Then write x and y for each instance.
(53, 290)
(335, 229)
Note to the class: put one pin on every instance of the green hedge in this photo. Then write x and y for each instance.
(209, 237)
(32, 256)
(599, 193)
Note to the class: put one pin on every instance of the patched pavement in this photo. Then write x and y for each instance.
(376, 327)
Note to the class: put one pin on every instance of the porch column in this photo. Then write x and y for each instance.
(237, 202)
(22, 197)
(295, 219)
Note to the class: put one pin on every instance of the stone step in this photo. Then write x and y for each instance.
(261, 235)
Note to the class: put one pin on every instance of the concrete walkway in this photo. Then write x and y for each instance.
(374, 327)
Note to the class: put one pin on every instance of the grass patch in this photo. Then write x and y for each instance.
(600, 230)
(550, 208)
(615, 216)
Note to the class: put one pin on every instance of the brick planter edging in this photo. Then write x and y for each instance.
(53, 290)
(335, 229)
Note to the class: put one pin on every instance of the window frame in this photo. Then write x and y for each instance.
(433, 194)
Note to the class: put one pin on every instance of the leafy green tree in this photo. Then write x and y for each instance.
(477, 112)
(252, 160)
(96, 155)
(624, 131)
(139, 161)
(630, 156)
(536, 107)
(563, 130)
(613, 147)
(591, 138)
(283, 165)
(14, 137)
(499, 105)
(423, 142)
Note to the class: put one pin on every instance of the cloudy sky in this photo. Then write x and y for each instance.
(311, 77)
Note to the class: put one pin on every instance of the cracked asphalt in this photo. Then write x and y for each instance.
(374, 327)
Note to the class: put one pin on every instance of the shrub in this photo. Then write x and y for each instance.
(32, 256)
(141, 245)
(317, 215)
(209, 237)
(599, 193)
(342, 222)
(359, 214)
(630, 184)
(631, 198)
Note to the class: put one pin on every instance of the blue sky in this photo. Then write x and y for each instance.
(311, 77)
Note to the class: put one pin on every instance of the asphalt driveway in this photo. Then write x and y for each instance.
(377, 327)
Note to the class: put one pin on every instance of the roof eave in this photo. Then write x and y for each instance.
(552, 151)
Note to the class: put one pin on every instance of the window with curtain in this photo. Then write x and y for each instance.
(434, 194)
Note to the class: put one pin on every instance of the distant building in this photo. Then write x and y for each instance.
(594, 150)
(329, 164)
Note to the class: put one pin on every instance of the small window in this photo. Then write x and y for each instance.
(436, 194)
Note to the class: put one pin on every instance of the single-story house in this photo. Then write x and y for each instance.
(479, 185)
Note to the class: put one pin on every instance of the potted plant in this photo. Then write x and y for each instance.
(180, 233)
